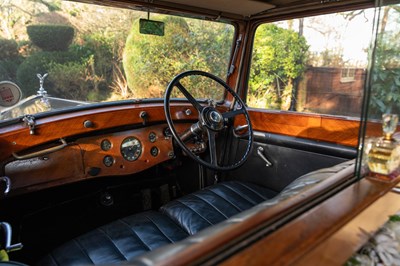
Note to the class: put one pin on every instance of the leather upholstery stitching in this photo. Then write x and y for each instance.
(194, 211)
(54, 259)
(230, 202)
(238, 194)
(112, 242)
(159, 229)
(134, 233)
(252, 190)
(76, 241)
(208, 203)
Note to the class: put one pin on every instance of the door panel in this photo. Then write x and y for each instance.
(340, 130)
(290, 157)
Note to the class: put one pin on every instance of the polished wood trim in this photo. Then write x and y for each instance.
(60, 167)
(93, 155)
(338, 130)
(75, 162)
(339, 247)
(295, 239)
(16, 137)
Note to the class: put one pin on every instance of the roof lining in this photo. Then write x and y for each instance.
(282, 8)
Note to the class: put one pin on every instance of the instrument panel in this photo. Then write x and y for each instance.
(113, 154)
(126, 152)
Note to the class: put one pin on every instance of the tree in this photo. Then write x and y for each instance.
(278, 58)
(385, 82)
(15, 13)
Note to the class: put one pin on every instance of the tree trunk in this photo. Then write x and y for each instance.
(296, 81)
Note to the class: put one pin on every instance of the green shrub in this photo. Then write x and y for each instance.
(4, 74)
(150, 61)
(105, 52)
(9, 68)
(8, 49)
(51, 37)
(148, 68)
(70, 80)
(9, 59)
(39, 63)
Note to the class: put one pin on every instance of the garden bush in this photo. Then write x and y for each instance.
(39, 63)
(4, 73)
(51, 37)
(8, 49)
(9, 68)
(167, 53)
(9, 59)
(150, 62)
(70, 80)
(102, 47)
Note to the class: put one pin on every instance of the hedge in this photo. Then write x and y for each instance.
(8, 49)
(39, 63)
(51, 37)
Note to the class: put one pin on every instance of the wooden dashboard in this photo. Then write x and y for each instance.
(121, 153)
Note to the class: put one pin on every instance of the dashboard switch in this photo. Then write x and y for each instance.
(93, 171)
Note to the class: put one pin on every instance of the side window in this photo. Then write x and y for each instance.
(313, 64)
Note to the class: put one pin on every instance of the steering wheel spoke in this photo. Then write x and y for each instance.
(233, 113)
(212, 147)
(189, 96)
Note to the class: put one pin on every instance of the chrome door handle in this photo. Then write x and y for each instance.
(240, 128)
(6, 227)
(260, 152)
(7, 182)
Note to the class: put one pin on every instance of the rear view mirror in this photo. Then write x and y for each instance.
(152, 27)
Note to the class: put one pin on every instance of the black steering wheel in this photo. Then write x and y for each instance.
(210, 122)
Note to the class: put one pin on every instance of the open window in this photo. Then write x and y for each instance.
(312, 64)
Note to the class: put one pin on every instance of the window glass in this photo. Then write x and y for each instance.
(94, 53)
(314, 64)
(383, 101)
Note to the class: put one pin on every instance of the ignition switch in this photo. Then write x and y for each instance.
(106, 199)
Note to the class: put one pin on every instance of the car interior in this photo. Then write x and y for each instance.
(177, 179)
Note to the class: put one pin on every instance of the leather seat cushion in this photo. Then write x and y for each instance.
(118, 241)
(215, 204)
(129, 237)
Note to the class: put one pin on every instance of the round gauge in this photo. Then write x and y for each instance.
(131, 148)
(108, 160)
(154, 151)
(152, 137)
(105, 145)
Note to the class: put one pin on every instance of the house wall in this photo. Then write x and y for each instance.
(323, 90)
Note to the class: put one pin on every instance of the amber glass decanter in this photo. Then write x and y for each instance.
(384, 155)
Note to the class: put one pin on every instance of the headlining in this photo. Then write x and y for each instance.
(240, 7)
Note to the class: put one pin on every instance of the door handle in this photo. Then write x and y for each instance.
(260, 152)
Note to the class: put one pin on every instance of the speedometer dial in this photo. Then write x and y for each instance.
(131, 148)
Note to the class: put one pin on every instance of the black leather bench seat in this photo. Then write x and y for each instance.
(118, 241)
(215, 204)
(126, 238)
(180, 220)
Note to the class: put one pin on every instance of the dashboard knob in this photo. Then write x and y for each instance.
(88, 124)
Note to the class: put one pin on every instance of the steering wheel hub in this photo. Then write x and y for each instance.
(212, 119)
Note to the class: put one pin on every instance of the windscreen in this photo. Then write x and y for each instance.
(77, 54)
